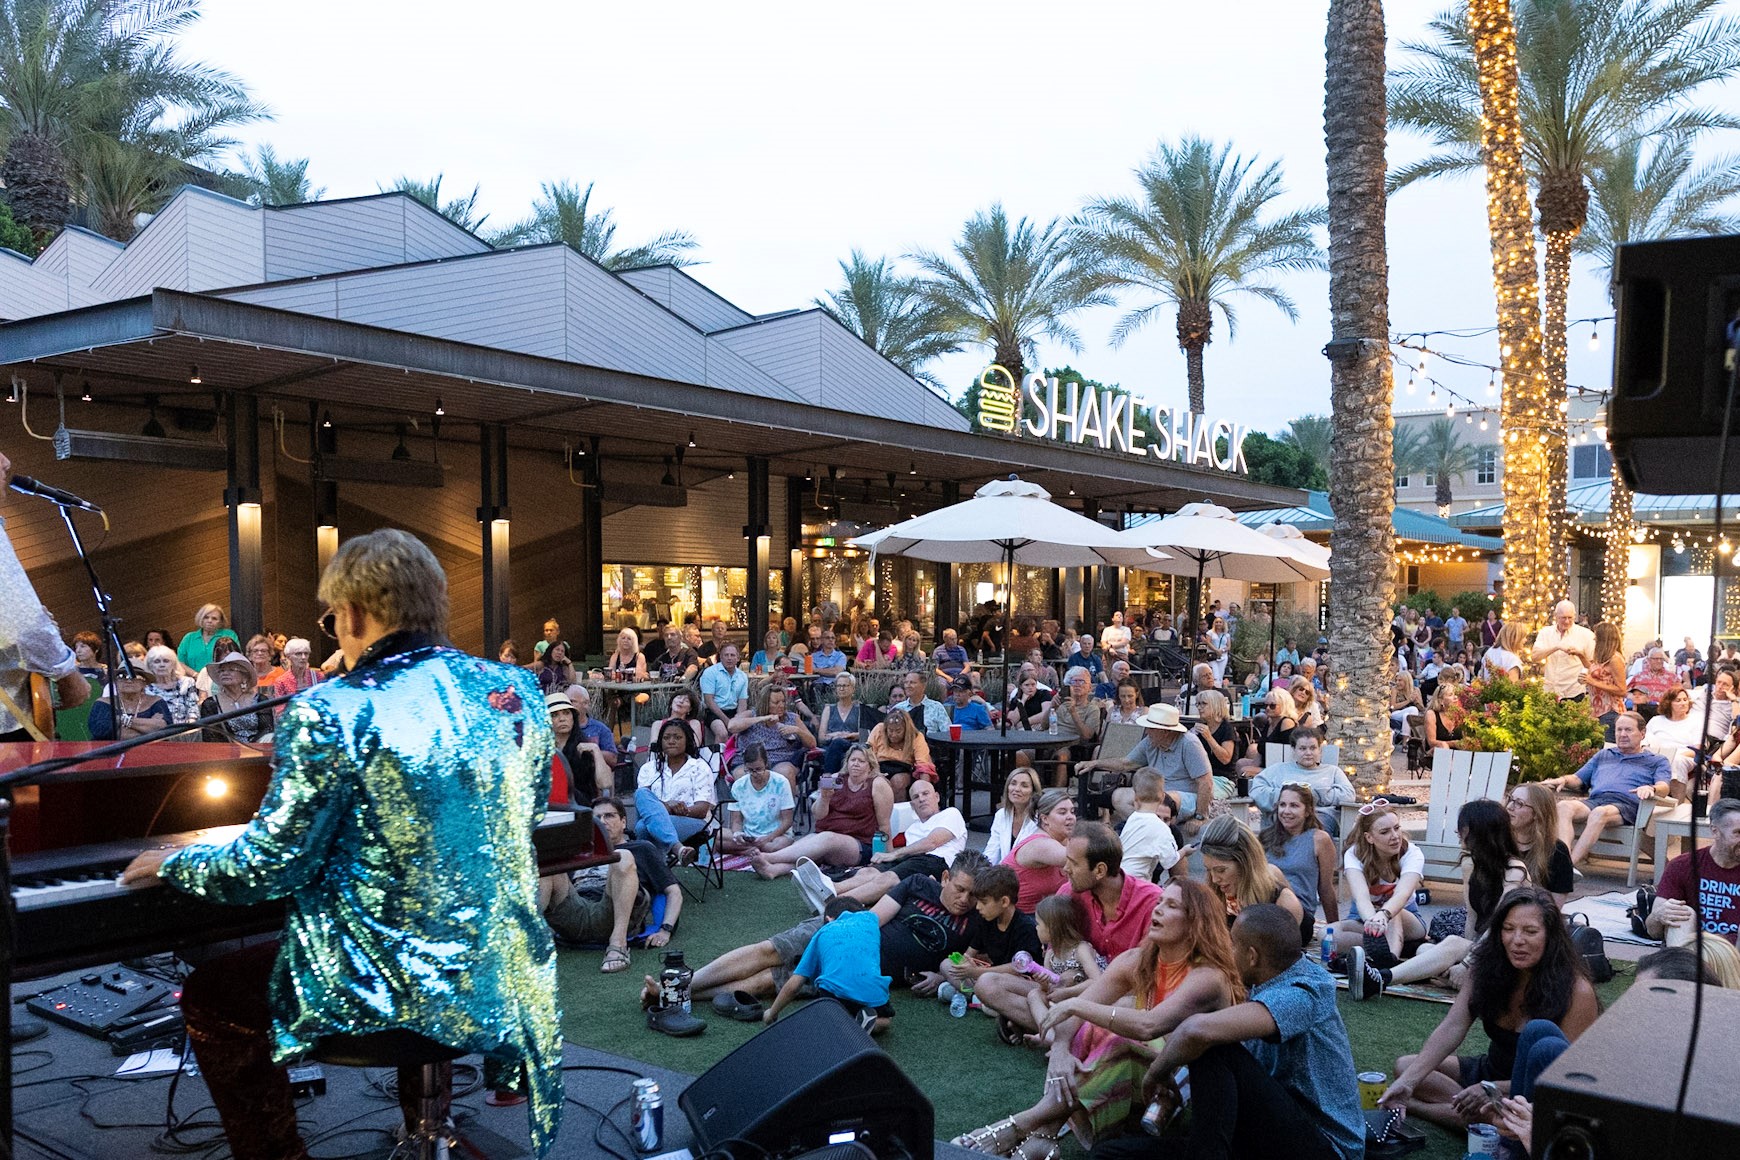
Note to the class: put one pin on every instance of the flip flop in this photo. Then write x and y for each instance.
(739, 1005)
(616, 960)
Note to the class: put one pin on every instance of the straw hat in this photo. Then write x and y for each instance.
(238, 662)
(555, 701)
(1162, 717)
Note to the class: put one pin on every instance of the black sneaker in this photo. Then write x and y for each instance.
(867, 1019)
(1354, 964)
(1336, 964)
(1368, 984)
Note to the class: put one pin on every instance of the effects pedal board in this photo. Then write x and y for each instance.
(97, 1001)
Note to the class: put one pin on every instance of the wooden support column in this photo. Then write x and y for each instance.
(947, 576)
(757, 547)
(590, 641)
(793, 548)
(493, 524)
(243, 498)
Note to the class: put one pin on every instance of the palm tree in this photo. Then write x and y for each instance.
(1637, 197)
(889, 312)
(79, 78)
(1445, 456)
(1197, 234)
(1007, 284)
(1361, 489)
(275, 182)
(1595, 75)
(563, 215)
(1312, 434)
(461, 211)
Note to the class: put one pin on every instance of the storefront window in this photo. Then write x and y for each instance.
(650, 592)
(979, 583)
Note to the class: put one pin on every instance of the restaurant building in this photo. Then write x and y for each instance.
(238, 387)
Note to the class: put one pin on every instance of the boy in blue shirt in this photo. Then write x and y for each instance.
(844, 961)
(965, 710)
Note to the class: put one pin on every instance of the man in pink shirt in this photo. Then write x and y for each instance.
(1118, 905)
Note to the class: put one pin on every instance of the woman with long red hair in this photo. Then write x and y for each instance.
(1101, 1041)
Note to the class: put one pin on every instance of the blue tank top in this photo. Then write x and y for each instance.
(1297, 860)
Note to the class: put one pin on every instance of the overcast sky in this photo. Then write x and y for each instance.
(783, 135)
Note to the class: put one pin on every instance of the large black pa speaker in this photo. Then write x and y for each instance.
(1677, 303)
(811, 1079)
(1612, 1093)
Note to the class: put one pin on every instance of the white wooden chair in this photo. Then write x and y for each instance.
(1625, 842)
(1458, 777)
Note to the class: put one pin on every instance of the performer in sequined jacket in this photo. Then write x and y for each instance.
(398, 828)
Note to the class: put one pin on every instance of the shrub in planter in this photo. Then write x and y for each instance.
(1546, 737)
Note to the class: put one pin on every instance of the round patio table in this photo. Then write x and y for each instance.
(992, 741)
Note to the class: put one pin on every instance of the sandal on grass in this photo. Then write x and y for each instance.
(616, 960)
(987, 1139)
(1048, 1149)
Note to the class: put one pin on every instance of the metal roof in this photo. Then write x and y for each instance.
(1315, 516)
(1589, 504)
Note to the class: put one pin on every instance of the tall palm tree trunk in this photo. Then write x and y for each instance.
(1361, 489)
(1007, 354)
(1563, 203)
(34, 171)
(1616, 560)
(1195, 331)
(1525, 405)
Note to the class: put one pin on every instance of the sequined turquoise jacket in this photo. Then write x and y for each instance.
(398, 826)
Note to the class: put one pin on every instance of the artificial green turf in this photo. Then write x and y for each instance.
(970, 1077)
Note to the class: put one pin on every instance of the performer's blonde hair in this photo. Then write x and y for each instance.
(392, 576)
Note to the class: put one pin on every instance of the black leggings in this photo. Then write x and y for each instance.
(1237, 1110)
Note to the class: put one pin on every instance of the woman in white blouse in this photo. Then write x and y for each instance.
(1015, 818)
(1674, 732)
(675, 795)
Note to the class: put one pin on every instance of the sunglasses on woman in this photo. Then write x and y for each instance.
(1374, 806)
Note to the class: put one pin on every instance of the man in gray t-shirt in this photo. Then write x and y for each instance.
(1173, 752)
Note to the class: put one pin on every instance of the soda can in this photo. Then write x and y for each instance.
(1153, 1120)
(648, 1109)
(1482, 1140)
(1371, 1088)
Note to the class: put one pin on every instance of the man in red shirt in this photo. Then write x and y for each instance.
(1653, 680)
(1712, 898)
(1118, 905)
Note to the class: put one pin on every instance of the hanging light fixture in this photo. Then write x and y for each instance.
(152, 427)
(326, 420)
(669, 480)
(691, 439)
(194, 377)
(401, 452)
(86, 397)
(439, 409)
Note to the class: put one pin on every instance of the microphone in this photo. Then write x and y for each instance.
(25, 485)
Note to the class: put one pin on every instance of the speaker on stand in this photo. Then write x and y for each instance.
(1678, 321)
(810, 1081)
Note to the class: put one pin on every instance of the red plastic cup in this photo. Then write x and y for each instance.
(954, 732)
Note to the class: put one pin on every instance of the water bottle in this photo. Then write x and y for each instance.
(1328, 946)
(1053, 715)
(674, 982)
(879, 843)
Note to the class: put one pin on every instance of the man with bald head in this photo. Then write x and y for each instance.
(1565, 651)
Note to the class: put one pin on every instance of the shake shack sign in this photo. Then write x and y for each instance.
(1047, 409)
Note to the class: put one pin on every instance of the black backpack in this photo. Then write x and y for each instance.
(1592, 947)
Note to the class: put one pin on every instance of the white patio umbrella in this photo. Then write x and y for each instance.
(1308, 552)
(1007, 520)
(1207, 541)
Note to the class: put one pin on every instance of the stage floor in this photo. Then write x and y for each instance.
(70, 1105)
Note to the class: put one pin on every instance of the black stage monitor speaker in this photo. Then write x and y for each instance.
(1612, 1094)
(1677, 301)
(812, 1079)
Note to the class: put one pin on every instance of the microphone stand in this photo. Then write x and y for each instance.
(31, 775)
(113, 653)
